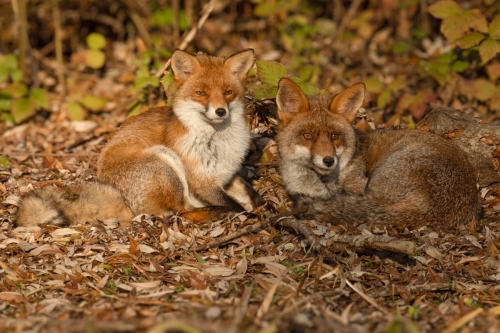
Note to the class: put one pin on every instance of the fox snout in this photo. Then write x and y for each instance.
(217, 114)
(324, 164)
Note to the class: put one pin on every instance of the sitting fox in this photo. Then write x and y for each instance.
(404, 177)
(181, 159)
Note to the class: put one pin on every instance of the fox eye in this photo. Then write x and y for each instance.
(307, 136)
(200, 93)
(335, 136)
(228, 92)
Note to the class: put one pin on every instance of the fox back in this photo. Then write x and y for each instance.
(404, 177)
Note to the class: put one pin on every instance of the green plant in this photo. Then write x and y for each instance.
(94, 57)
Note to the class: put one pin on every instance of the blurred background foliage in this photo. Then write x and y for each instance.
(88, 59)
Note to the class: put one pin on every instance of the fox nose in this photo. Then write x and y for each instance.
(328, 161)
(220, 112)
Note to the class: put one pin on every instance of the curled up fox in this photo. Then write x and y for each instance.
(396, 176)
(180, 159)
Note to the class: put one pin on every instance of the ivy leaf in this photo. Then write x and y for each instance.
(94, 58)
(263, 91)
(39, 97)
(383, 99)
(270, 72)
(460, 66)
(95, 41)
(444, 9)
(482, 89)
(306, 87)
(476, 19)
(495, 28)
(75, 111)
(93, 103)
(373, 85)
(22, 109)
(454, 27)
(470, 40)
(488, 49)
(166, 80)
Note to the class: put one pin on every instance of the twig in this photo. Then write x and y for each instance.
(188, 38)
(348, 16)
(373, 242)
(387, 291)
(19, 8)
(367, 298)
(56, 13)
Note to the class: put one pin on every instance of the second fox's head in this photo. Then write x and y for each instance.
(316, 132)
(209, 88)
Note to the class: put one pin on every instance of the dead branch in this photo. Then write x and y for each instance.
(387, 291)
(372, 242)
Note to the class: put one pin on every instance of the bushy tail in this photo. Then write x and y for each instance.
(88, 202)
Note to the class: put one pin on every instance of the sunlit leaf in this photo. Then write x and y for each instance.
(22, 109)
(16, 90)
(477, 20)
(75, 111)
(95, 41)
(443, 9)
(270, 72)
(470, 40)
(482, 89)
(488, 49)
(373, 85)
(4, 162)
(39, 96)
(16, 75)
(495, 28)
(94, 58)
(263, 91)
(306, 87)
(93, 103)
(383, 99)
(454, 26)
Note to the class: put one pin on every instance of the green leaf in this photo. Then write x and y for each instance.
(75, 111)
(93, 103)
(263, 91)
(95, 41)
(460, 66)
(39, 97)
(94, 58)
(495, 28)
(16, 75)
(470, 40)
(373, 85)
(325, 27)
(488, 49)
(166, 80)
(270, 72)
(396, 84)
(383, 99)
(482, 89)
(16, 90)
(4, 71)
(4, 162)
(22, 109)
(476, 19)
(444, 9)
(454, 27)
(306, 87)
(11, 61)
(4, 104)
(265, 9)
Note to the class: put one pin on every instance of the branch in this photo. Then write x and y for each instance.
(372, 242)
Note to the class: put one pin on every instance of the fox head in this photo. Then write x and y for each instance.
(316, 132)
(209, 88)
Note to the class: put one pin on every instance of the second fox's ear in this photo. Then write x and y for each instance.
(240, 63)
(183, 65)
(349, 101)
(290, 100)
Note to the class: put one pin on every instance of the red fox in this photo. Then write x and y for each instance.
(180, 159)
(404, 177)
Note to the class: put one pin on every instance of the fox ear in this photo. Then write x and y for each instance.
(240, 63)
(183, 65)
(349, 101)
(290, 100)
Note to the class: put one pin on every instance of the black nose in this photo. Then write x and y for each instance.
(220, 112)
(328, 161)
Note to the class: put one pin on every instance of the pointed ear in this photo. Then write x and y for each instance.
(290, 100)
(183, 65)
(240, 63)
(349, 101)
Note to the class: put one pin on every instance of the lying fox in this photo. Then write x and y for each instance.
(181, 159)
(405, 177)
